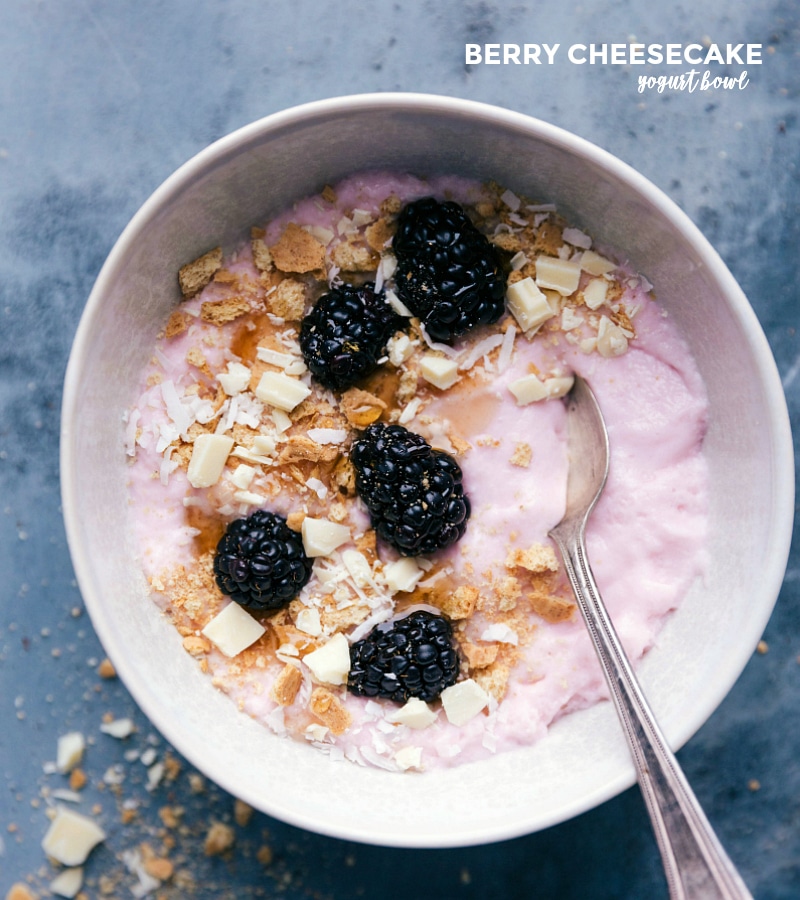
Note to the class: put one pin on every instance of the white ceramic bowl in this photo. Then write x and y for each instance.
(255, 172)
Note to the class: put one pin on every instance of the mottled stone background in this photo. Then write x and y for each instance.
(100, 100)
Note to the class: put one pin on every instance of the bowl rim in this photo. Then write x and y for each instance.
(776, 415)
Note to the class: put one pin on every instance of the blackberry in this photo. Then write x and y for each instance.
(447, 272)
(260, 562)
(414, 493)
(345, 334)
(410, 657)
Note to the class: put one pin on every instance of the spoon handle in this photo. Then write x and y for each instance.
(695, 863)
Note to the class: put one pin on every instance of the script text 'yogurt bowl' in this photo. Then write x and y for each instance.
(259, 170)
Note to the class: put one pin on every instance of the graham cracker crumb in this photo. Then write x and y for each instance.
(295, 520)
(288, 300)
(298, 251)
(380, 233)
(77, 780)
(106, 669)
(522, 455)
(548, 239)
(329, 194)
(367, 544)
(177, 323)
(361, 408)
(343, 477)
(220, 837)
(326, 707)
(196, 645)
(218, 312)
(20, 891)
(461, 603)
(299, 448)
(551, 608)
(493, 679)
(479, 656)
(537, 558)
(242, 813)
(508, 242)
(286, 685)
(196, 358)
(762, 647)
(508, 592)
(262, 258)
(351, 256)
(391, 205)
(194, 276)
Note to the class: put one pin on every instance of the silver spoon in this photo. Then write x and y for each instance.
(695, 863)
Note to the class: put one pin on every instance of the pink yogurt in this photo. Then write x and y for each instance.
(646, 537)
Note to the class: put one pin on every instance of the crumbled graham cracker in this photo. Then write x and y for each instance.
(493, 679)
(522, 455)
(326, 706)
(295, 520)
(196, 358)
(218, 312)
(298, 251)
(196, 645)
(300, 448)
(391, 205)
(506, 241)
(220, 837)
(262, 258)
(508, 592)
(288, 300)
(551, 608)
(329, 194)
(361, 408)
(194, 276)
(367, 543)
(343, 477)
(548, 239)
(177, 323)
(479, 656)
(286, 685)
(537, 558)
(460, 604)
(380, 233)
(351, 256)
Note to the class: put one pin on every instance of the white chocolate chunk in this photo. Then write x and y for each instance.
(463, 701)
(577, 238)
(321, 536)
(569, 319)
(409, 758)
(242, 476)
(70, 751)
(233, 630)
(562, 275)
(275, 357)
(399, 348)
(529, 306)
(235, 380)
(358, 566)
(119, 728)
(594, 294)
(308, 621)
(611, 340)
(330, 663)
(67, 883)
(264, 444)
(439, 371)
(71, 837)
(209, 454)
(415, 714)
(281, 391)
(403, 574)
(531, 389)
(595, 264)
